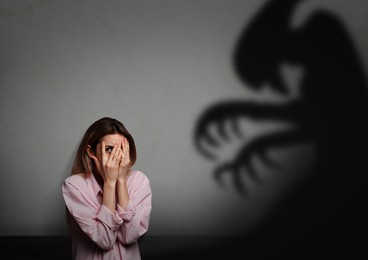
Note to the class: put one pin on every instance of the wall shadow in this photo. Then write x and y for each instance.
(324, 213)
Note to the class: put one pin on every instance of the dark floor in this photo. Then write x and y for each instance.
(188, 247)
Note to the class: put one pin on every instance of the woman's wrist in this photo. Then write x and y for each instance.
(121, 180)
(109, 195)
(122, 191)
(109, 184)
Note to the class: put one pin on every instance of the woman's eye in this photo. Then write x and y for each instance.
(108, 149)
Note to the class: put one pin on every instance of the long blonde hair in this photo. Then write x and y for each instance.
(100, 128)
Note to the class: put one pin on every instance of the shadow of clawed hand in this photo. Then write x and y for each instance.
(332, 91)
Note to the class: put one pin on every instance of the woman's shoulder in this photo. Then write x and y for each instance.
(76, 180)
(138, 175)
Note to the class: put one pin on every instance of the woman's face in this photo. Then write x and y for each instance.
(110, 141)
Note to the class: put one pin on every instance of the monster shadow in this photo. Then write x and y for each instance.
(328, 204)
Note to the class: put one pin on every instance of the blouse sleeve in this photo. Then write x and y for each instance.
(97, 222)
(136, 216)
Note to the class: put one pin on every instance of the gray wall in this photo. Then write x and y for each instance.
(154, 65)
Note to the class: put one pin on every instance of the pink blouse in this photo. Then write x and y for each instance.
(96, 232)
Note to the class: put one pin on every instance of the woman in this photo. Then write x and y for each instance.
(108, 203)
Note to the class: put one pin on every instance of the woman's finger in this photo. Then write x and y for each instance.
(124, 146)
(126, 151)
(119, 154)
(113, 154)
(123, 149)
(127, 148)
(103, 152)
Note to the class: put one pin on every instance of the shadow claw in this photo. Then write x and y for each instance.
(235, 172)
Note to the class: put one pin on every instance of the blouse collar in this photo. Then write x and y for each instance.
(94, 184)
